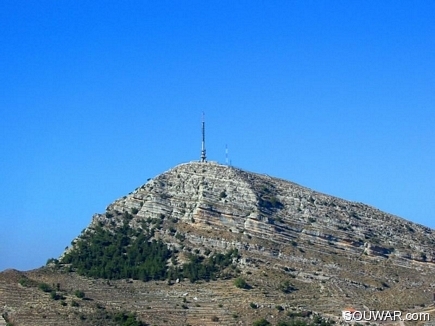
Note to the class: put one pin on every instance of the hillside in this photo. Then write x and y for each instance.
(172, 251)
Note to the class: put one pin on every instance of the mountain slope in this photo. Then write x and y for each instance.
(211, 198)
(295, 248)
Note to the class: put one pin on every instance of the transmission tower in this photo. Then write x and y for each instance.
(203, 156)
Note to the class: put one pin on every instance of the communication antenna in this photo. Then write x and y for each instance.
(203, 156)
(226, 154)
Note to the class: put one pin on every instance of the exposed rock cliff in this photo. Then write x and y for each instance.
(298, 250)
(222, 206)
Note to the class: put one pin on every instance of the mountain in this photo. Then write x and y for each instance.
(210, 244)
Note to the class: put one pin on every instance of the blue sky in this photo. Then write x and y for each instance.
(97, 97)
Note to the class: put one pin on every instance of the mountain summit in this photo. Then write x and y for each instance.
(224, 207)
(226, 246)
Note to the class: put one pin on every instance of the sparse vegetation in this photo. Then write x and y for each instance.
(180, 236)
(79, 294)
(269, 202)
(44, 287)
(6, 318)
(27, 282)
(52, 261)
(207, 269)
(303, 314)
(56, 296)
(241, 283)
(287, 287)
(423, 256)
(127, 319)
(315, 321)
(267, 199)
(261, 322)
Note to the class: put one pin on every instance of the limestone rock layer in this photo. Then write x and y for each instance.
(227, 207)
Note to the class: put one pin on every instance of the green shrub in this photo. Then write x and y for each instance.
(26, 282)
(127, 253)
(55, 296)
(180, 236)
(241, 283)
(127, 319)
(51, 261)
(44, 287)
(79, 294)
(287, 287)
(261, 322)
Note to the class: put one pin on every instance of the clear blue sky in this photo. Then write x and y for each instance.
(97, 97)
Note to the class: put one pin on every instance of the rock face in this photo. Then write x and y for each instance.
(227, 202)
(349, 251)
(299, 251)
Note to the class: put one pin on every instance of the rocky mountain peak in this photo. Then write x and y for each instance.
(214, 201)
(226, 246)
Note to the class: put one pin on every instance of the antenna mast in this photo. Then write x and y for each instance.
(203, 156)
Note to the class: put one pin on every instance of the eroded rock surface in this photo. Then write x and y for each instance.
(223, 199)
(300, 250)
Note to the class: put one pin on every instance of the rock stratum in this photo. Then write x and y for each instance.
(301, 252)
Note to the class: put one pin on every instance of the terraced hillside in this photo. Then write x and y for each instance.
(299, 251)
